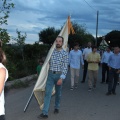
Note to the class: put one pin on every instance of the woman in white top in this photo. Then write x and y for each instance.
(3, 78)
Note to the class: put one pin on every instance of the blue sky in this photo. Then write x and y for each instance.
(32, 16)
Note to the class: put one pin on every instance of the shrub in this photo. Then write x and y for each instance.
(19, 67)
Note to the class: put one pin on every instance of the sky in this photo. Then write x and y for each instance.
(32, 16)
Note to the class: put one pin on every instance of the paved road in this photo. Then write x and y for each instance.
(78, 104)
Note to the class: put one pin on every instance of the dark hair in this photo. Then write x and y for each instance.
(40, 61)
(76, 44)
(94, 47)
(2, 57)
(109, 47)
(61, 37)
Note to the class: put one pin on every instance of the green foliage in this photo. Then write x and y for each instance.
(18, 67)
(20, 38)
(48, 35)
(81, 36)
(113, 37)
(4, 37)
(20, 42)
(5, 6)
(99, 40)
(79, 29)
(35, 51)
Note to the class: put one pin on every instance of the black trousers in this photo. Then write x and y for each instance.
(105, 69)
(85, 70)
(113, 79)
(2, 117)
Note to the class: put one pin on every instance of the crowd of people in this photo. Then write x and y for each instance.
(109, 61)
(90, 60)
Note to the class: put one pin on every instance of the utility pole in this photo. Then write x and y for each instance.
(97, 27)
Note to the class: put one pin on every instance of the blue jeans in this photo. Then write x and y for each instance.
(51, 81)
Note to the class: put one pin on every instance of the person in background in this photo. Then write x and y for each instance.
(0, 43)
(114, 71)
(58, 67)
(3, 79)
(104, 62)
(75, 59)
(93, 60)
(86, 51)
(82, 49)
(119, 74)
(39, 67)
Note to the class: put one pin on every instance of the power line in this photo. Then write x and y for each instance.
(90, 5)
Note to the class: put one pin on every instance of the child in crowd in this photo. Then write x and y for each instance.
(39, 67)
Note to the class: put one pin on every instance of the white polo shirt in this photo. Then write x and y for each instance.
(86, 51)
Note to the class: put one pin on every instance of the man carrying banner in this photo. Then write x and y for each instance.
(58, 66)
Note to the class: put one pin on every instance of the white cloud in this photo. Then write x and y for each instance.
(31, 16)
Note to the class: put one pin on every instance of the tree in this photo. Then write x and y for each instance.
(5, 6)
(113, 37)
(20, 38)
(99, 40)
(81, 35)
(48, 35)
(20, 41)
(4, 37)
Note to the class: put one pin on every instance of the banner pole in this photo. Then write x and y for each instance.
(28, 102)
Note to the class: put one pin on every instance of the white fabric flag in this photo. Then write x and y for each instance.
(39, 88)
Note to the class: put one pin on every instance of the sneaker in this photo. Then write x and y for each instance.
(56, 111)
(114, 93)
(43, 116)
(118, 83)
(94, 86)
(71, 88)
(108, 93)
(76, 85)
(90, 89)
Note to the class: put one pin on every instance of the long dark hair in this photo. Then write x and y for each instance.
(2, 57)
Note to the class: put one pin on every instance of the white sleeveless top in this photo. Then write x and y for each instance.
(2, 101)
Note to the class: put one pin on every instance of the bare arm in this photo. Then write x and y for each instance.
(2, 78)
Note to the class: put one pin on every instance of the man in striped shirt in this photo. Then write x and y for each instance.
(56, 74)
